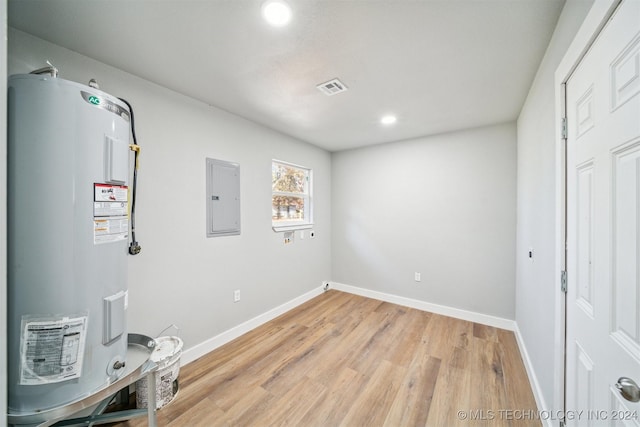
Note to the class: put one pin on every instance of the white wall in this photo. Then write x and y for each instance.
(535, 279)
(3, 211)
(443, 206)
(181, 276)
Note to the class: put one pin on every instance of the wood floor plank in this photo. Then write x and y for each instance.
(366, 357)
(406, 337)
(413, 401)
(306, 314)
(241, 353)
(343, 359)
(452, 394)
(517, 387)
(258, 370)
(444, 334)
(248, 403)
(485, 332)
(294, 404)
(255, 412)
(487, 379)
(371, 407)
(353, 347)
(335, 405)
(204, 414)
(299, 360)
(221, 382)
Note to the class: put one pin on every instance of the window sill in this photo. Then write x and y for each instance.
(291, 227)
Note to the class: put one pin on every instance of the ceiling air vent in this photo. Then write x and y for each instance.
(332, 87)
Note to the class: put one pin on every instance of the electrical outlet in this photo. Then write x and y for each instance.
(236, 295)
(417, 277)
(288, 237)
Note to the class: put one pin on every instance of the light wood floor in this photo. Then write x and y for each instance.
(346, 360)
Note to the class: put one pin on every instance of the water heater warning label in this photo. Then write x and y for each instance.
(110, 229)
(110, 193)
(109, 208)
(110, 213)
(52, 350)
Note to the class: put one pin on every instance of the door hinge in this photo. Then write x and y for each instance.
(563, 129)
(563, 281)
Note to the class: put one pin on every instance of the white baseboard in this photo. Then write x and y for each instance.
(533, 379)
(472, 316)
(211, 344)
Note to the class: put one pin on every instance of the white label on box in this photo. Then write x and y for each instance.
(110, 229)
(110, 208)
(110, 193)
(52, 351)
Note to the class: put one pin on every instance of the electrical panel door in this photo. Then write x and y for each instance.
(223, 198)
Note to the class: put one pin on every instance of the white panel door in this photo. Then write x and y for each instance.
(603, 226)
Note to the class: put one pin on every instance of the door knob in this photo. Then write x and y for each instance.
(628, 389)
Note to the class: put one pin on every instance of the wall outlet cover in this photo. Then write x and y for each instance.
(288, 237)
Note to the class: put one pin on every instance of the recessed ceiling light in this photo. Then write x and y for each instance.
(276, 12)
(388, 119)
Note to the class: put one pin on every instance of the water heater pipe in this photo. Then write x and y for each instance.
(51, 70)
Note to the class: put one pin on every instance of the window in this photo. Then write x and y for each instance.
(291, 205)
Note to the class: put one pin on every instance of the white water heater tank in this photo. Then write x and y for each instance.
(68, 174)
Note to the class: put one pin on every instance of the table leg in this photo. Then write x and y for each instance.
(151, 399)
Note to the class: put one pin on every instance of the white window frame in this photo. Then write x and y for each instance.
(305, 223)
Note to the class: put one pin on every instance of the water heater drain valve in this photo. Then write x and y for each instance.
(114, 367)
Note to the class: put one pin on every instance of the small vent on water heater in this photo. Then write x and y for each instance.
(332, 87)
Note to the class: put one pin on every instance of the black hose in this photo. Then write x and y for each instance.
(134, 247)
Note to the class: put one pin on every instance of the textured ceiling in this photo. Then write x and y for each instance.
(439, 65)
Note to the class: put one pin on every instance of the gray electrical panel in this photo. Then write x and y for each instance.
(223, 198)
